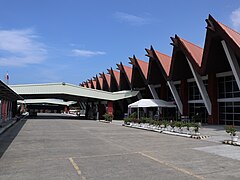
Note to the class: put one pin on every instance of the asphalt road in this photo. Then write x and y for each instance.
(55, 148)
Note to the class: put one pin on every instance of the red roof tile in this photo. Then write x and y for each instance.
(235, 36)
(165, 61)
(117, 76)
(94, 84)
(144, 67)
(108, 78)
(128, 71)
(100, 79)
(195, 51)
(89, 85)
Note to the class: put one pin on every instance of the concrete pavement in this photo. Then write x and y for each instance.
(77, 149)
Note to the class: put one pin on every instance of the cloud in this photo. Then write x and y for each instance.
(235, 17)
(86, 53)
(20, 48)
(132, 19)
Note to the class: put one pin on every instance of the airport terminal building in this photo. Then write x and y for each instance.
(202, 82)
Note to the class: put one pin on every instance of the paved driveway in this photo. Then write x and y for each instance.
(79, 149)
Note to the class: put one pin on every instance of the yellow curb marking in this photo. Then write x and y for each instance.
(75, 166)
(172, 166)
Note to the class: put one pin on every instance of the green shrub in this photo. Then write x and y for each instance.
(128, 120)
(108, 117)
(165, 123)
(133, 115)
(231, 130)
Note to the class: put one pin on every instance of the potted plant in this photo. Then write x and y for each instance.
(232, 131)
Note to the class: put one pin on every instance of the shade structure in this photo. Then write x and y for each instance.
(151, 103)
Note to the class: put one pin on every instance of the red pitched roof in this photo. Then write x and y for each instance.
(165, 61)
(94, 84)
(195, 51)
(117, 76)
(100, 79)
(108, 78)
(89, 85)
(235, 36)
(144, 67)
(128, 71)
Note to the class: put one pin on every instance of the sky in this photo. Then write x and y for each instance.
(70, 41)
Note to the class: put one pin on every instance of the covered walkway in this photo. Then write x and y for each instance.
(94, 102)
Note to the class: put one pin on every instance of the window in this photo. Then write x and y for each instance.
(229, 113)
(227, 87)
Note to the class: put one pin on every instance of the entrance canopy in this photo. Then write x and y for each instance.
(151, 103)
(68, 92)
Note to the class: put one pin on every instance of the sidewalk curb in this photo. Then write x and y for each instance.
(3, 129)
(168, 132)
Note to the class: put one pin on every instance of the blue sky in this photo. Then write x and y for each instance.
(73, 40)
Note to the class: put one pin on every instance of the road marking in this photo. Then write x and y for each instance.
(84, 178)
(173, 166)
(75, 166)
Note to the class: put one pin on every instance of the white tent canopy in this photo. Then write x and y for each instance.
(151, 103)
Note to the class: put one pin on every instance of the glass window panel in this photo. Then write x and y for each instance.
(222, 116)
(236, 94)
(229, 109)
(221, 88)
(228, 78)
(229, 116)
(228, 86)
(229, 95)
(237, 109)
(235, 86)
(220, 79)
(237, 117)
(222, 109)
(236, 103)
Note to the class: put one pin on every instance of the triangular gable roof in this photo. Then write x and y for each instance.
(234, 35)
(125, 76)
(195, 51)
(165, 60)
(114, 79)
(106, 81)
(142, 65)
(117, 76)
(128, 71)
(81, 84)
(214, 57)
(89, 85)
(108, 78)
(94, 84)
(183, 49)
(98, 83)
(100, 79)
